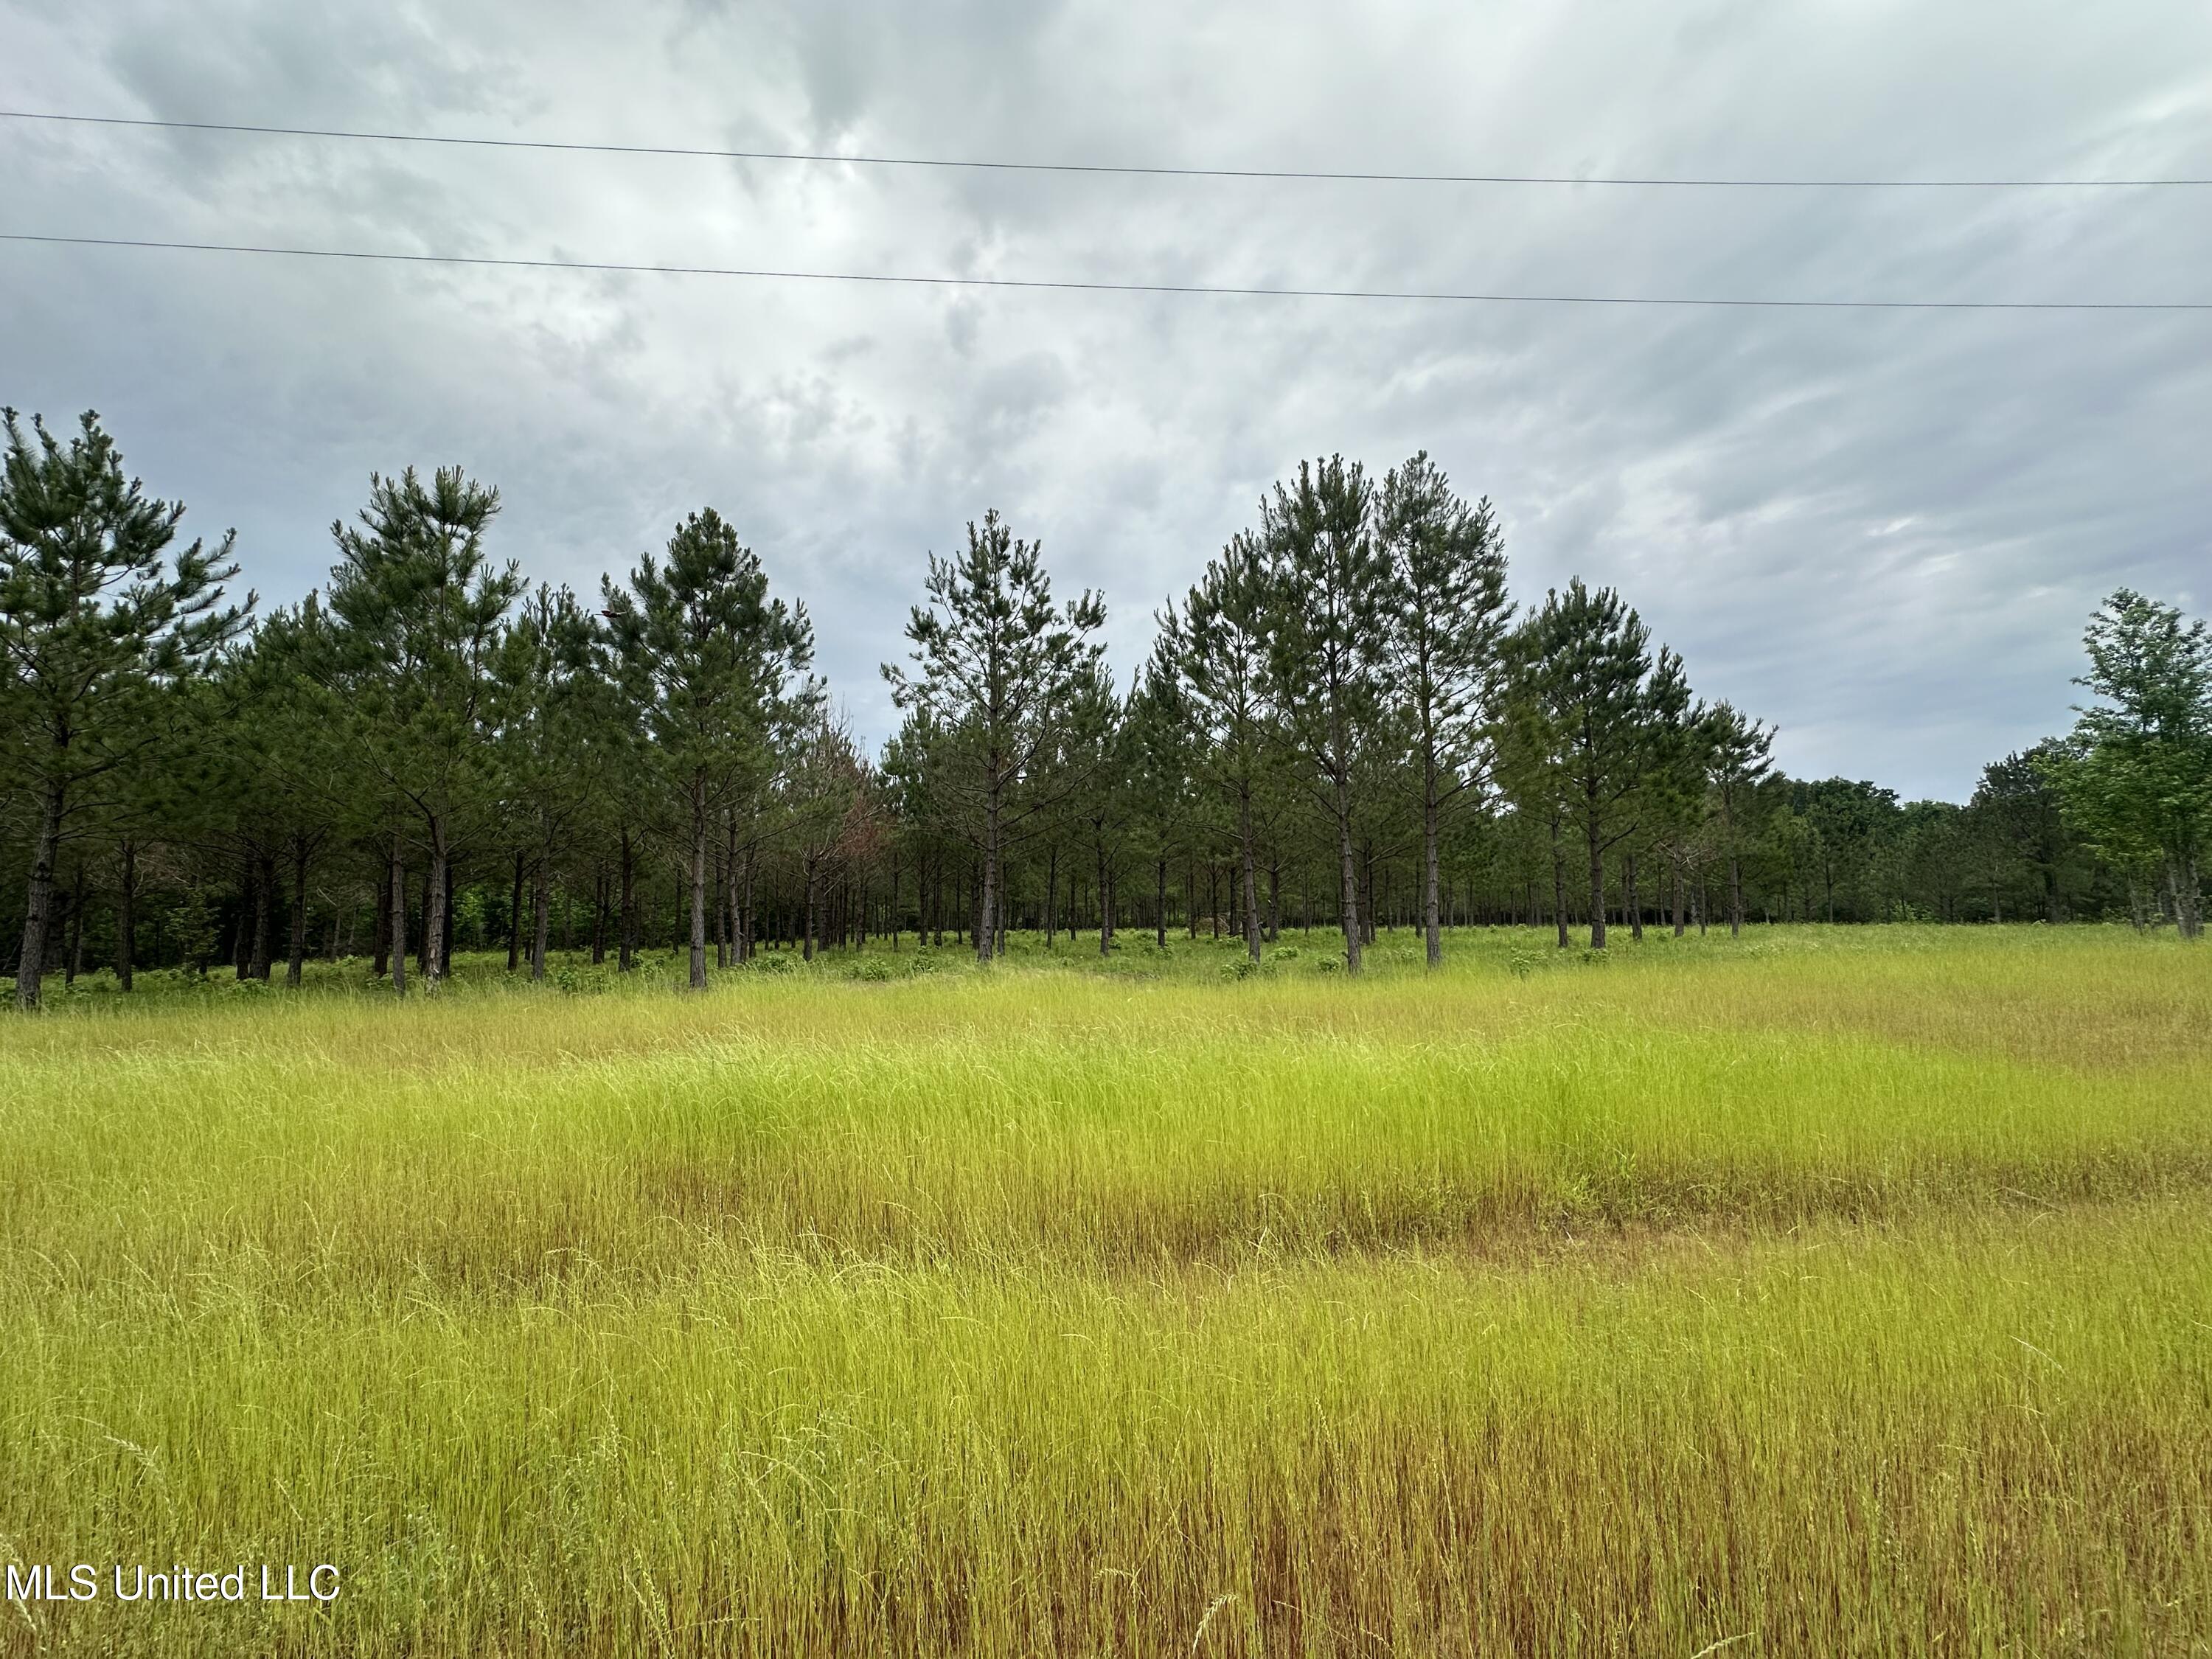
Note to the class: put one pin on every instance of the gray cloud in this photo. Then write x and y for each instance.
(1880, 531)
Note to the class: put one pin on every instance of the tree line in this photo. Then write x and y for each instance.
(1347, 722)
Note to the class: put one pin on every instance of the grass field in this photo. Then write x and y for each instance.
(1825, 1292)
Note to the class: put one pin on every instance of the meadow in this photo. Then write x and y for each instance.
(1826, 1291)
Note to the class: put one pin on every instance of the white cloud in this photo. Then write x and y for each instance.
(1882, 532)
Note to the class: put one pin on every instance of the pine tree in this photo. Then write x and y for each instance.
(1213, 649)
(557, 734)
(1331, 588)
(717, 670)
(2135, 773)
(417, 607)
(100, 629)
(1449, 614)
(1737, 757)
(1591, 716)
(996, 667)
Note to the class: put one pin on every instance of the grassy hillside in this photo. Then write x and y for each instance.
(1823, 1291)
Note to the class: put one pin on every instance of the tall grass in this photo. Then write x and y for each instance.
(1845, 1292)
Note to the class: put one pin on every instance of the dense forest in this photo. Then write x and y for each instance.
(1347, 725)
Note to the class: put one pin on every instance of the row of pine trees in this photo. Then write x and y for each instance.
(1347, 722)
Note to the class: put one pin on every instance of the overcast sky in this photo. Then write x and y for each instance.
(1880, 531)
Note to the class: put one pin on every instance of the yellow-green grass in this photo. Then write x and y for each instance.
(1826, 1291)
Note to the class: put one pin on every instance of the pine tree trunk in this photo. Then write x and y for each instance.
(1052, 897)
(2181, 883)
(37, 905)
(541, 914)
(1591, 836)
(399, 902)
(730, 899)
(295, 962)
(1431, 921)
(598, 914)
(73, 954)
(719, 903)
(813, 902)
(127, 916)
(1559, 891)
(438, 902)
(1631, 902)
(1105, 916)
(1736, 895)
(1249, 876)
(515, 917)
(1348, 869)
(698, 887)
(257, 958)
(626, 940)
(1160, 902)
(1679, 899)
(383, 925)
(241, 936)
(989, 893)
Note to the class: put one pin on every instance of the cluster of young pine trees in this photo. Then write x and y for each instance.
(1347, 713)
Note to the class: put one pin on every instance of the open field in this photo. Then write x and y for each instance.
(1823, 1291)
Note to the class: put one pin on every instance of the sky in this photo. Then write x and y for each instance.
(1880, 531)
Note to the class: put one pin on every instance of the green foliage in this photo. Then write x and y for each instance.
(996, 675)
(2135, 773)
(101, 629)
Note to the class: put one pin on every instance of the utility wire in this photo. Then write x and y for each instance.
(1067, 285)
(577, 148)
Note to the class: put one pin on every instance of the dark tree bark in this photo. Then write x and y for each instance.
(438, 896)
(1432, 920)
(748, 917)
(718, 904)
(698, 886)
(1160, 902)
(514, 919)
(1347, 859)
(1105, 905)
(126, 915)
(295, 962)
(627, 943)
(1052, 897)
(1558, 886)
(1594, 838)
(384, 890)
(541, 917)
(1630, 902)
(1249, 875)
(598, 914)
(420, 923)
(242, 932)
(398, 904)
(38, 907)
(73, 960)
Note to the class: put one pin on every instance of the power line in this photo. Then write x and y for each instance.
(573, 147)
(1218, 289)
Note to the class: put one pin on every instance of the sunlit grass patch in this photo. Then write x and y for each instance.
(1806, 1293)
